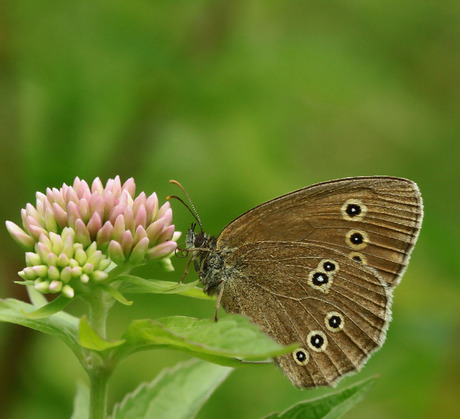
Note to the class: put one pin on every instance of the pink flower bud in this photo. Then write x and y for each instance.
(162, 249)
(60, 215)
(94, 225)
(141, 217)
(155, 229)
(20, 236)
(118, 227)
(82, 233)
(151, 206)
(126, 242)
(130, 186)
(166, 234)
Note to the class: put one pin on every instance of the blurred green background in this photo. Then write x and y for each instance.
(241, 102)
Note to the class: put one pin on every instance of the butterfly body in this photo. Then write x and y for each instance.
(316, 266)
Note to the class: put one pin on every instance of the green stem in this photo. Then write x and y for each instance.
(98, 395)
(99, 370)
(98, 310)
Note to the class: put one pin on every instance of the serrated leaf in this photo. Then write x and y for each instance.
(176, 393)
(55, 306)
(331, 406)
(81, 402)
(135, 284)
(89, 339)
(61, 325)
(227, 342)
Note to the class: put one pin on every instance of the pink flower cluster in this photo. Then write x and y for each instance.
(125, 228)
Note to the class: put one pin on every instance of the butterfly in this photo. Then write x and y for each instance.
(316, 266)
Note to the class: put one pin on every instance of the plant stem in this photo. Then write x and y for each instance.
(99, 371)
(98, 394)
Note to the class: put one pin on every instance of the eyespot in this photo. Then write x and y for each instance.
(357, 239)
(328, 265)
(359, 257)
(320, 280)
(317, 341)
(334, 321)
(353, 210)
(301, 356)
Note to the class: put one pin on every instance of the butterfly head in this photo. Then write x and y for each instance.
(195, 240)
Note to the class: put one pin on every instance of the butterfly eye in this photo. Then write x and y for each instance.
(301, 356)
(317, 341)
(353, 210)
(334, 321)
(357, 239)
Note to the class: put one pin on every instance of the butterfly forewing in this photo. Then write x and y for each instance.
(312, 295)
(371, 220)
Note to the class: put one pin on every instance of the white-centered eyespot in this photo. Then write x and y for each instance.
(329, 266)
(317, 341)
(357, 239)
(334, 321)
(353, 210)
(320, 280)
(301, 356)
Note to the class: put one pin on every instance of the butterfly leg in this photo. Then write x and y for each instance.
(185, 271)
(219, 298)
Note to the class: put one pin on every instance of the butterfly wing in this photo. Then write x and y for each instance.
(373, 220)
(336, 308)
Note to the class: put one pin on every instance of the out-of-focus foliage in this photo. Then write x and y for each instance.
(241, 102)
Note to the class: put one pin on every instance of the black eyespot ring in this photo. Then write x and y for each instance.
(320, 278)
(357, 258)
(301, 356)
(356, 238)
(329, 266)
(317, 341)
(334, 321)
(353, 210)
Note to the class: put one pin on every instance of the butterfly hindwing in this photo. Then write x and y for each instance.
(313, 295)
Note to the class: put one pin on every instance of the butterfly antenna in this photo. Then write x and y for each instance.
(193, 211)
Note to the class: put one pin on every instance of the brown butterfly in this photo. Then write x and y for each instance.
(316, 266)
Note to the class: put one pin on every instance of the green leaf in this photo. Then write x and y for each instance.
(135, 284)
(227, 342)
(37, 298)
(328, 407)
(89, 339)
(116, 294)
(55, 306)
(176, 393)
(62, 325)
(81, 402)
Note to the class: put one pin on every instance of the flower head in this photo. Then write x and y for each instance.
(75, 232)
